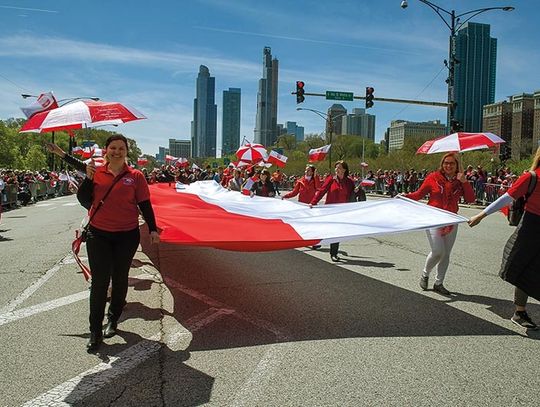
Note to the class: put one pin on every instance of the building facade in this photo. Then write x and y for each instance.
(180, 148)
(336, 112)
(536, 120)
(401, 129)
(359, 123)
(497, 119)
(522, 126)
(266, 132)
(204, 124)
(160, 156)
(230, 129)
(475, 73)
(295, 130)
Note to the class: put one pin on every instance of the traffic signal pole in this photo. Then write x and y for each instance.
(391, 100)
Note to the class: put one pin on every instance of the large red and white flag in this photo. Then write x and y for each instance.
(275, 158)
(44, 102)
(319, 154)
(206, 214)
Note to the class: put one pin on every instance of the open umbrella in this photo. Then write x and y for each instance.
(460, 142)
(79, 115)
(252, 153)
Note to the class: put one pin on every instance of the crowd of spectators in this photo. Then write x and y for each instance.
(24, 187)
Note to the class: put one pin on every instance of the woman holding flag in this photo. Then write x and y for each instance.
(338, 189)
(115, 193)
(306, 186)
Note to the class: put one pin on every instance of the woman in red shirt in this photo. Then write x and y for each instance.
(306, 186)
(521, 260)
(445, 187)
(338, 189)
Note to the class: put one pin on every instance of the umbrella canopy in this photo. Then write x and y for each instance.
(460, 142)
(252, 153)
(79, 115)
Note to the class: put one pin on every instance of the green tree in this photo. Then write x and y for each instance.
(35, 158)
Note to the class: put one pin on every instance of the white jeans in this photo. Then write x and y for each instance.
(441, 246)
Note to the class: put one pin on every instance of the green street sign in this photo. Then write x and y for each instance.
(334, 95)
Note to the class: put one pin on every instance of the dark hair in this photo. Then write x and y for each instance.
(313, 168)
(344, 165)
(117, 137)
(265, 172)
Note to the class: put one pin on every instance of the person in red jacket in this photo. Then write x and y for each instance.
(445, 188)
(338, 189)
(521, 259)
(306, 186)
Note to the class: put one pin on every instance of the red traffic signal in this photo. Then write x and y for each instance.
(300, 92)
(369, 96)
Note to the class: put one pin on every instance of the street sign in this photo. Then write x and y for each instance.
(334, 95)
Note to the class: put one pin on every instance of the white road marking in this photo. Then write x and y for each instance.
(71, 204)
(13, 316)
(119, 365)
(32, 289)
(254, 387)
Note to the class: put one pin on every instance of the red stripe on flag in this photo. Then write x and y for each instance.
(187, 219)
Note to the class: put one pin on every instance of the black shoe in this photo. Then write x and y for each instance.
(424, 283)
(94, 342)
(110, 329)
(315, 247)
(522, 319)
(439, 288)
(335, 258)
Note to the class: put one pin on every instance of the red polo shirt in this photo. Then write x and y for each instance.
(119, 211)
(520, 188)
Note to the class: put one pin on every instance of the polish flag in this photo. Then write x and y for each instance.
(182, 162)
(246, 188)
(142, 161)
(204, 214)
(170, 158)
(44, 102)
(319, 154)
(275, 158)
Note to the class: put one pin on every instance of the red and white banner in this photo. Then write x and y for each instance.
(170, 158)
(142, 161)
(44, 102)
(319, 154)
(275, 158)
(206, 214)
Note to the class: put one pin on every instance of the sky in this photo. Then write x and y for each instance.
(147, 54)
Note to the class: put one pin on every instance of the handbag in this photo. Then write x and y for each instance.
(81, 235)
(515, 212)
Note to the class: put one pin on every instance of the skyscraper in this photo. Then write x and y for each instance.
(204, 124)
(337, 112)
(266, 122)
(359, 123)
(231, 121)
(475, 71)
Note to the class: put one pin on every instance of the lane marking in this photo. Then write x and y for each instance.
(69, 392)
(32, 288)
(12, 316)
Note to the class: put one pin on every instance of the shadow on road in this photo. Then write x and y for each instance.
(302, 297)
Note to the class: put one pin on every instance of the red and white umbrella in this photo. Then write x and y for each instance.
(252, 153)
(460, 142)
(367, 183)
(79, 115)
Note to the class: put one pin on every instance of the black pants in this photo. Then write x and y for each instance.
(110, 255)
(334, 248)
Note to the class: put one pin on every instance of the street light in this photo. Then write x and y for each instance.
(329, 119)
(454, 23)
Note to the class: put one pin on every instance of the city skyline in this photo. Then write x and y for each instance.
(149, 57)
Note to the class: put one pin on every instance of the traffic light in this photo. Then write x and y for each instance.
(369, 96)
(300, 92)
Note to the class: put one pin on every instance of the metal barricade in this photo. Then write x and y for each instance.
(10, 192)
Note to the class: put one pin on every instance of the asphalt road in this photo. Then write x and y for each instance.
(287, 328)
